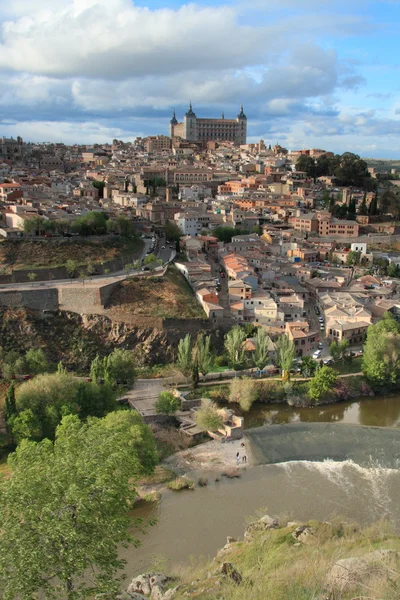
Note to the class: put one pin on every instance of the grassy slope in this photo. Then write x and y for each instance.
(55, 252)
(167, 297)
(273, 567)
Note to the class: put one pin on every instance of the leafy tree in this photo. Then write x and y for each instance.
(363, 209)
(225, 234)
(261, 356)
(339, 350)
(203, 354)
(25, 425)
(61, 370)
(243, 392)
(373, 207)
(34, 224)
(172, 231)
(234, 345)
(13, 364)
(208, 416)
(94, 400)
(71, 267)
(167, 404)
(100, 185)
(332, 205)
(353, 257)
(307, 164)
(92, 223)
(150, 259)
(381, 358)
(351, 212)
(393, 270)
(97, 369)
(184, 358)
(308, 366)
(285, 355)
(10, 408)
(121, 366)
(322, 383)
(64, 510)
(32, 276)
(36, 361)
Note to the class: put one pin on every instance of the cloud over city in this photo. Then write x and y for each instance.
(114, 67)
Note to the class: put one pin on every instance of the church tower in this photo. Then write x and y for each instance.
(190, 125)
(241, 134)
(172, 124)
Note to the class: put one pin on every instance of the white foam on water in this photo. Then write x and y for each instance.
(351, 478)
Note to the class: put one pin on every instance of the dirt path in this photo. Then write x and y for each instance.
(211, 456)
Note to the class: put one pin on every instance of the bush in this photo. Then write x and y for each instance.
(221, 361)
(322, 383)
(208, 416)
(180, 483)
(167, 404)
(243, 392)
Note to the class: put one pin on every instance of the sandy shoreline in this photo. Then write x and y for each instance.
(211, 456)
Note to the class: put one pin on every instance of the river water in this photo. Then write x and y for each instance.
(344, 469)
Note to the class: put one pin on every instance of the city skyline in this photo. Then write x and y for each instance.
(309, 74)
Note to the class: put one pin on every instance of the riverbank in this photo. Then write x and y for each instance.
(212, 456)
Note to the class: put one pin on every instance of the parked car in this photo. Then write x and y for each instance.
(328, 361)
(145, 268)
(321, 319)
(162, 247)
(320, 346)
(317, 354)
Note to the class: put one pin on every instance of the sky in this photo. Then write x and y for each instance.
(310, 73)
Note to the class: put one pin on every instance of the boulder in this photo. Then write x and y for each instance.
(170, 594)
(303, 534)
(266, 523)
(140, 585)
(348, 573)
(230, 540)
(157, 593)
(229, 570)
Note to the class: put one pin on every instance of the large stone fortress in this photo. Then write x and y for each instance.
(205, 130)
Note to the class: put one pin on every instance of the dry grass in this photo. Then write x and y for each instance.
(161, 297)
(180, 483)
(170, 440)
(273, 567)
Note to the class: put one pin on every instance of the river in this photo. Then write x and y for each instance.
(346, 469)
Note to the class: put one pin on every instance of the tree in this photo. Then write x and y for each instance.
(36, 361)
(90, 269)
(243, 392)
(234, 345)
(285, 355)
(35, 224)
(363, 209)
(184, 357)
(351, 212)
(381, 358)
(308, 366)
(338, 350)
(10, 408)
(92, 223)
(121, 366)
(172, 231)
(203, 354)
(150, 259)
(167, 404)
(64, 510)
(25, 425)
(373, 207)
(100, 185)
(61, 370)
(71, 267)
(393, 270)
(261, 342)
(97, 370)
(32, 276)
(353, 258)
(307, 164)
(322, 383)
(13, 364)
(208, 416)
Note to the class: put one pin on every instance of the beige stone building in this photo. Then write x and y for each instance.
(205, 130)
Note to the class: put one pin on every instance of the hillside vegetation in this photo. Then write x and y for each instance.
(23, 254)
(166, 297)
(317, 561)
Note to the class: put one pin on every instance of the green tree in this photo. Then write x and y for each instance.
(64, 510)
(32, 276)
(167, 404)
(234, 345)
(308, 366)
(243, 392)
(373, 207)
(94, 400)
(261, 342)
(25, 425)
(322, 383)
(61, 370)
(381, 358)
(184, 357)
(71, 267)
(307, 164)
(34, 225)
(203, 354)
(92, 223)
(97, 370)
(351, 212)
(10, 407)
(172, 231)
(208, 416)
(285, 355)
(393, 270)
(121, 366)
(363, 209)
(353, 258)
(339, 350)
(36, 361)
(150, 259)
(100, 185)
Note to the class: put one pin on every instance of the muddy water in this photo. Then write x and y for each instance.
(349, 471)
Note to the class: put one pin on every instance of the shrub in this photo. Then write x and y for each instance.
(180, 483)
(208, 417)
(167, 404)
(202, 481)
(244, 392)
(221, 361)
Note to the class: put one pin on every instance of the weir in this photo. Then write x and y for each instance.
(365, 446)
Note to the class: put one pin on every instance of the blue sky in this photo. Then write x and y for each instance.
(320, 73)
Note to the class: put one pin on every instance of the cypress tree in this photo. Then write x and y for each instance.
(363, 210)
(10, 407)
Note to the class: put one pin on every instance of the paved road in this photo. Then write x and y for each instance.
(143, 396)
(165, 255)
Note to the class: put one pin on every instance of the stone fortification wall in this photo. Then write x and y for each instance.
(46, 299)
(87, 299)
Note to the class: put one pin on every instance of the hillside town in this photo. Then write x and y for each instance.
(303, 242)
